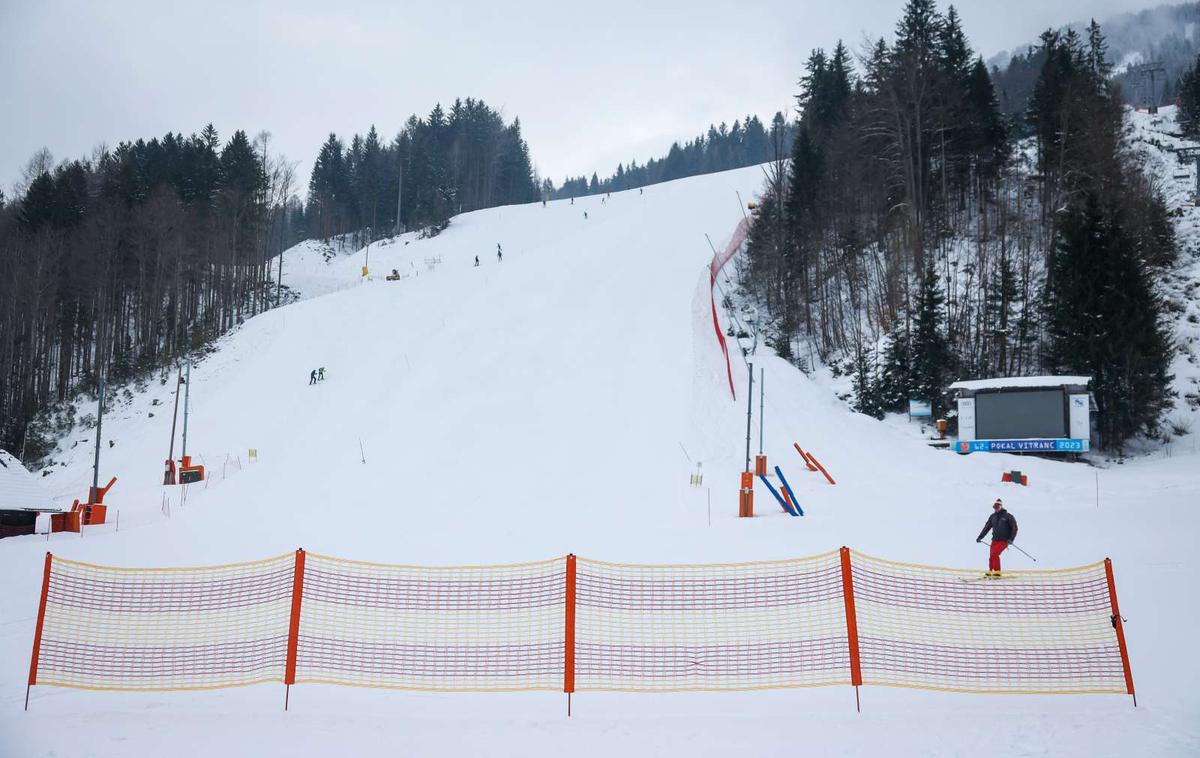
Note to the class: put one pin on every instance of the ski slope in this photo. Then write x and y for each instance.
(557, 402)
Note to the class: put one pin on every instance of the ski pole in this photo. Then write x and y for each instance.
(1027, 555)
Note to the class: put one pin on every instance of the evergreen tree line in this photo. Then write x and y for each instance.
(449, 162)
(746, 143)
(912, 234)
(120, 263)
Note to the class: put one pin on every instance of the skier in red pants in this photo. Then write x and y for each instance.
(1003, 527)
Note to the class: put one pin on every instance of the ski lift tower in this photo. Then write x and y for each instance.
(1150, 77)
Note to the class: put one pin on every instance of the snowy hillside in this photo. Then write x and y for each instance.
(557, 402)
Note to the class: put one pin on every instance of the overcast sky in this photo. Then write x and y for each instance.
(594, 83)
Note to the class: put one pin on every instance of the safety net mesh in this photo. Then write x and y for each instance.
(710, 627)
(165, 629)
(576, 624)
(952, 629)
(432, 628)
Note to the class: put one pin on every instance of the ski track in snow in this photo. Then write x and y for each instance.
(543, 405)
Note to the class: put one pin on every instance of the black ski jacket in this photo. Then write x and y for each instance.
(1002, 525)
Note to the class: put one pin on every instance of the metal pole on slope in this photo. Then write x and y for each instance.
(174, 419)
(749, 410)
(187, 391)
(762, 375)
(99, 427)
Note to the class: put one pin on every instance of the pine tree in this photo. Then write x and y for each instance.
(866, 389)
(930, 351)
(1104, 320)
(895, 376)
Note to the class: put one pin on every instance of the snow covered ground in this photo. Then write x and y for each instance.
(556, 402)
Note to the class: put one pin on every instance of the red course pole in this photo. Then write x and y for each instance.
(1119, 626)
(569, 645)
(37, 633)
(289, 675)
(851, 625)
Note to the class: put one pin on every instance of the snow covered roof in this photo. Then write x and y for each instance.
(18, 487)
(1013, 382)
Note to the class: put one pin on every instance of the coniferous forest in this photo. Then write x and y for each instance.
(449, 162)
(124, 262)
(721, 148)
(913, 232)
(118, 264)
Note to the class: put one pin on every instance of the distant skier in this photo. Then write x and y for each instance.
(640, 191)
(499, 253)
(1003, 527)
(604, 201)
(477, 261)
(585, 215)
(312, 378)
(321, 374)
(572, 201)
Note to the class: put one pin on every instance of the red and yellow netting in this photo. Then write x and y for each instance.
(432, 628)
(576, 624)
(952, 629)
(163, 629)
(733, 626)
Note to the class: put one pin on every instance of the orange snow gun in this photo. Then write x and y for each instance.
(94, 511)
(189, 474)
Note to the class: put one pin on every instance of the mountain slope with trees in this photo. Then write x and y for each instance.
(913, 237)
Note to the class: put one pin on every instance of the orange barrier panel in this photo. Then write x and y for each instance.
(804, 456)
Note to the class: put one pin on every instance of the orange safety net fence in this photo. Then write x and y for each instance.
(427, 628)
(576, 624)
(710, 627)
(952, 629)
(163, 629)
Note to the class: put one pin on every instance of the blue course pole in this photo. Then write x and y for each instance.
(782, 503)
(788, 488)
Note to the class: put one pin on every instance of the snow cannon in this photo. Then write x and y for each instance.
(1016, 477)
(746, 496)
(189, 474)
(94, 511)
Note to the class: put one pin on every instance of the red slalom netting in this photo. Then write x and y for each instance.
(577, 624)
(714, 267)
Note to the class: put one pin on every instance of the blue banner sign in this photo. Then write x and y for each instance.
(1022, 446)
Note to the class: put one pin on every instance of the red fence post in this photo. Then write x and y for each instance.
(1119, 626)
(804, 456)
(37, 632)
(851, 625)
(569, 644)
(817, 463)
(289, 674)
